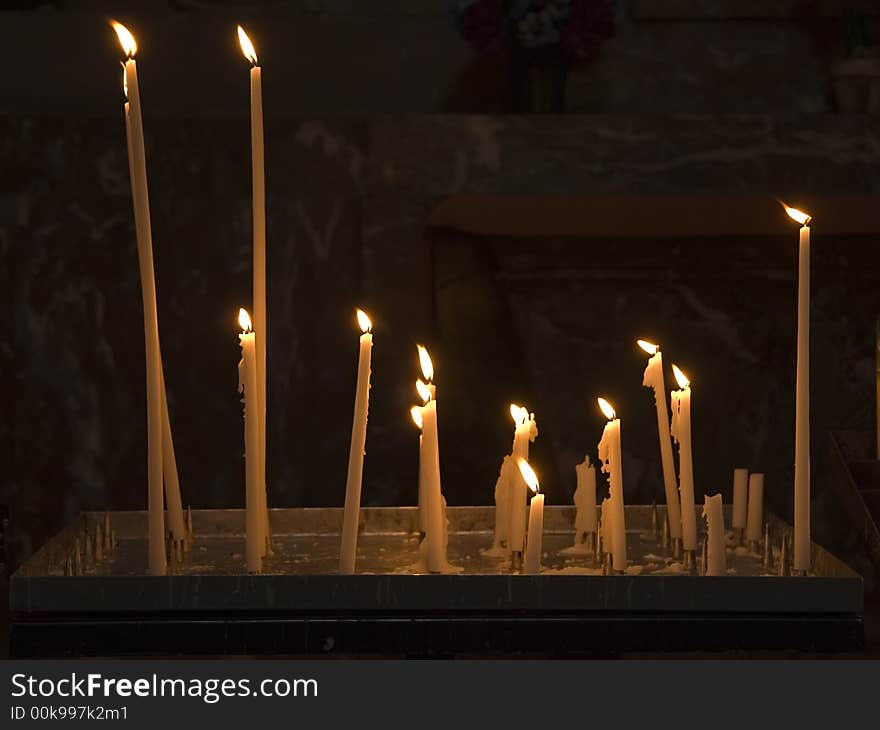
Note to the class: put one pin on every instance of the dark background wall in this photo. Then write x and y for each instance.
(375, 114)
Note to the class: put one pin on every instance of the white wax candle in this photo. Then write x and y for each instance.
(434, 534)
(351, 515)
(586, 519)
(654, 378)
(610, 456)
(424, 475)
(534, 545)
(802, 411)
(681, 432)
(247, 385)
(755, 518)
(518, 488)
(740, 497)
(606, 525)
(716, 551)
(258, 183)
(502, 506)
(157, 562)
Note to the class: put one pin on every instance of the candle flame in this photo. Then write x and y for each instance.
(424, 393)
(247, 48)
(607, 409)
(426, 363)
(126, 39)
(680, 377)
(244, 319)
(416, 413)
(797, 215)
(529, 475)
(519, 414)
(364, 321)
(648, 347)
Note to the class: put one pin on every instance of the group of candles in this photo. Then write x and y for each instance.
(518, 529)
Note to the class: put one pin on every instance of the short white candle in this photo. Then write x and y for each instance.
(517, 487)
(424, 478)
(534, 545)
(351, 514)
(654, 378)
(610, 456)
(801, 561)
(716, 563)
(740, 498)
(247, 386)
(681, 432)
(755, 519)
(586, 517)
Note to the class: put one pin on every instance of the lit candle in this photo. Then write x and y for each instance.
(610, 456)
(532, 565)
(802, 400)
(157, 561)
(740, 495)
(756, 509)
(586, 519)
(681, 432)
(654, 378)
(435, 533)
(348, 550)
(716, 563)
(517, 487)
(424, 477)
(247, 386)
(261, 329)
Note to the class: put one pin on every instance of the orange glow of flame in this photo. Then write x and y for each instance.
(797, 215)
(648, 347)
(416, 413)
(607, 409)
(529, 475)
(680, 377)
(126, 39)
(247, 48)
(244, 319)
(364, 321)
(423, 391)
(519, 414)
(426, 363)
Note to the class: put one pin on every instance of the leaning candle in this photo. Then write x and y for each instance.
(258, 180)
(157, 560)
(247, 385)
(740, 495)
(586, 520)
(755, 516)
(517, 487)
(532, 564)
(654, 378)
(435, 555)
(681, 432)
(610, 456)
(716, 563)
(802, 400)
(351, 515)
(424, 479)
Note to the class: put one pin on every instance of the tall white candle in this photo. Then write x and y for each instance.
(247, 385)
(424, 476)
(534, 545)
(740, 497)
(755, 519)
(681, 432)
(586, 518)
(351, 514)
(517, 487)
(435, 534)
(258, 181)
(654, 378)
(716, 551)
(610, 456)
(802, 400)
(157, 561)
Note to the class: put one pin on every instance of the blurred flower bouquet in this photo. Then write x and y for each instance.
(542, 39)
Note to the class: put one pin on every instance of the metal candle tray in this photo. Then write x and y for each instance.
(388, 607)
